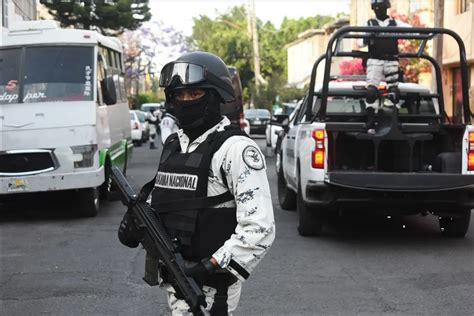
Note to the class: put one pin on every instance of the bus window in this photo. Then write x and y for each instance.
(58, 74)
(9, 75)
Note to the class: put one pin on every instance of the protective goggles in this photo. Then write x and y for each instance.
(188, 73)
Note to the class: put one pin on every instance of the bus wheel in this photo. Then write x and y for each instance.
(88, 202)
(105, 187)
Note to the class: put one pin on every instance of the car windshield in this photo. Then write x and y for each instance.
(254, 113)
(46, 74)
(141, 117)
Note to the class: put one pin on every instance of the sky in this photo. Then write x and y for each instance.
(179, 13)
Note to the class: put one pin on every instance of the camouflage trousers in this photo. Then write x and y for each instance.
(179, 307)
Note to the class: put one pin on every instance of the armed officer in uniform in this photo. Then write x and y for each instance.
(211, 191)
(383, 62)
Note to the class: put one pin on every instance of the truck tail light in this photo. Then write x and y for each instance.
(470, 156)
(319, 152)
(241, 121)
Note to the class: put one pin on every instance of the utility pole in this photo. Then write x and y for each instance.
(438, 6)
(252, 27)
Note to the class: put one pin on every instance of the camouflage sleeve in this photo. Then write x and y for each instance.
(245, 172)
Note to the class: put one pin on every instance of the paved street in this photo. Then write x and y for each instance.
(52, 263)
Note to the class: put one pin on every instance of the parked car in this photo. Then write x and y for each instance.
(157, 108)
(417, 160)
(246, 126)
(278, 117)
(258, 119)
(140, 127)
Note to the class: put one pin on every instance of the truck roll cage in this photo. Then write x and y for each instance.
(371, 32)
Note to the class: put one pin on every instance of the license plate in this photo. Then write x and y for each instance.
(17, 185)
(257, 122)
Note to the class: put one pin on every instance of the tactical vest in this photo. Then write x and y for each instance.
(180, 197)
(384, 49)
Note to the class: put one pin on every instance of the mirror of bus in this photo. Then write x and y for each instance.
(108, 90)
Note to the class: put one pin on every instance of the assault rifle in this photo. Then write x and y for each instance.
(158, 245)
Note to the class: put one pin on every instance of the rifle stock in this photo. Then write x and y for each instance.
(157, 243)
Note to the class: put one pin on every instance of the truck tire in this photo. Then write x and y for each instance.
(310, 220)
(455, 227)
(286, 196)
(88, 202)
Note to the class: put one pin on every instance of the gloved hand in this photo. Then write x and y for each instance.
(128, 233)
(394, 94)
(201, 271)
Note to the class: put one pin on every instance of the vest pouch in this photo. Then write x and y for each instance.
(214, 226)
(181, 225)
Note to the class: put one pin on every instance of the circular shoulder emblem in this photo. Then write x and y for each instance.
(253, 158)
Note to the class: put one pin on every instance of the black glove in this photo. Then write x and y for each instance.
(128, 233)
(201, 271)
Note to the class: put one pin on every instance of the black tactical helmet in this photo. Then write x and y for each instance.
(374, 3)
(198, 70)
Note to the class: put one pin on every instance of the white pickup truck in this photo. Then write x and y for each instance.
(418, 161)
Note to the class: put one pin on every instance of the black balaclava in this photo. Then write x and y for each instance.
(381, 11)
(197, 116)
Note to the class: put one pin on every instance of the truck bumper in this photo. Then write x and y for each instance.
(402, 193)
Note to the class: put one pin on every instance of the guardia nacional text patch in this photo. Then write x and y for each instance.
(253, 158)
(176, 181)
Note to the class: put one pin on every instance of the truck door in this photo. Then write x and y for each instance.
(290, 156)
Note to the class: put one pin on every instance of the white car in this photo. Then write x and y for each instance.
(156, 107)
(139, 126)
(274, 126)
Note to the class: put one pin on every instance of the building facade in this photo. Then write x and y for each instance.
(17, 10)
(303, 53)
(459, 17)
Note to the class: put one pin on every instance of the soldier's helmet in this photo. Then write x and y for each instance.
(375, 3)
(198, 70)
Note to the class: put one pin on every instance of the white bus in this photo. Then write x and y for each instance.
(64, 115)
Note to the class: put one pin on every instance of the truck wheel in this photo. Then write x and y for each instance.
(286, 196)
(456, 227)
(88, 202)
(310, 220)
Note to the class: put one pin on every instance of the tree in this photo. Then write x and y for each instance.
(110, 17)
(227, 37)
(147, 49)
(412, 67)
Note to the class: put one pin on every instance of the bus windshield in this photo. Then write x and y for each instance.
(48, 74)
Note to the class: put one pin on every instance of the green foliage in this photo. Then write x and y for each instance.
(110, 19)
(227, 36)
(276, 87)
(136, 101)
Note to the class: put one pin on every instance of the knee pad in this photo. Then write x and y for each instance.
(372, 94)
